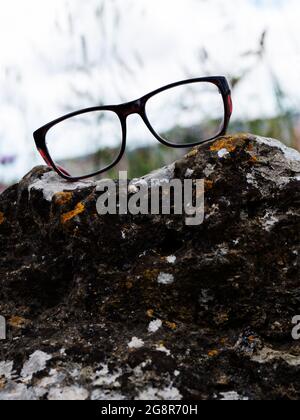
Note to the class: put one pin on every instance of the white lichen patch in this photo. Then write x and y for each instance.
(70, 393)
(223, 153)
(40, 393)
(205, 296)
(136, 343)
(232, 396)
(105, 379)
(51, 183)
(171, 259)
(161, 176)
(36, 363)
(223, 251)
(17, 392)
(209, 170)
(132, 189)
(252, 180)
(163, 349)
(269, 221)
(214, 209)
(6, 369)
(107, 395)
(63, 352)
(156, 178)
(139, 183)
(289, 153)
(189, 173)
(225, 201)
(138, 371)
(165, 278)
(154, 326)
(169, 393)
(267, 355)
(54, 378)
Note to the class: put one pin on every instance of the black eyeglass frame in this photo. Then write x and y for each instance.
(134, 107)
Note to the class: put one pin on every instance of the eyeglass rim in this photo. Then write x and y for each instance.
(134, 107)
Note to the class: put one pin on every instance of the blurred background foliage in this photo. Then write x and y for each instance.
(60, 56)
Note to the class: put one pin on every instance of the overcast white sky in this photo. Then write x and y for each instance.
(154, 42)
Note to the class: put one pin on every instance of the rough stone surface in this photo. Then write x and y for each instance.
(80, 291)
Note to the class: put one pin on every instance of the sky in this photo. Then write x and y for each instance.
(56, 57)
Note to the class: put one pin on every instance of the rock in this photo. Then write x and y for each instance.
(224, 293)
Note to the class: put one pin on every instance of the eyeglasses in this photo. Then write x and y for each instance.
(89, 142)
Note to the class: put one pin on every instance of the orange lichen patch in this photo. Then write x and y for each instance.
(251, 152)
(2, 218)
(17, 322)
(150, 274)
(150, 313)
(253, 159)
(213, 353)
(171, 325)
(250, 147)
(208, 184)
(230, 143)
(70, 215)
(193, 153)
(223, 380)
(129, 285)
(224, 341)
(63, 198)
(221, 318)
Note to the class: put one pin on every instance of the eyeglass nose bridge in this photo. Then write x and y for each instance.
(130, 108)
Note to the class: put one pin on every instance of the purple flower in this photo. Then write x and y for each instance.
(7, 160)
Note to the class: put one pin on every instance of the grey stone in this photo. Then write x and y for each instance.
(79, 287)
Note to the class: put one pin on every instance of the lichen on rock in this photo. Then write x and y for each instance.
(135, 307)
